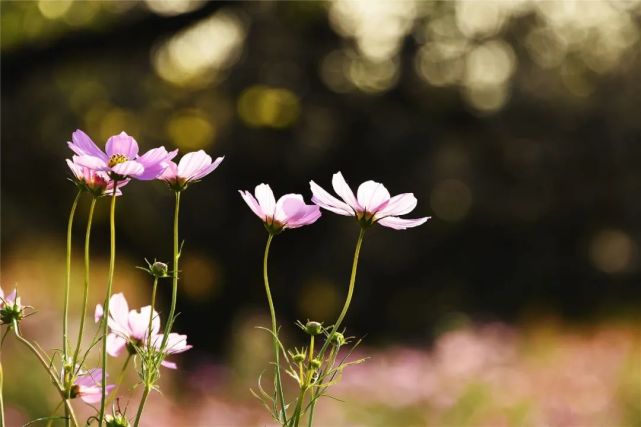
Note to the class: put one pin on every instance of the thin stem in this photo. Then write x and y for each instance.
(272, 312)
(151, 314)
(1, 396)
(143, 400)
(53, 375)
(65, 319)
(85, 298)
(348, 300)
(112, 265)
(296, 416)
(121, 376)
(174, 288)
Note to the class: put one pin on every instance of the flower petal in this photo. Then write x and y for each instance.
(372, 196)
(129, 168)
(288, 206)
(119, 315)
(209, 169)
(91, 162)
(398, 205)
(252, 203)
(170, 365)
(265, 197)
(155, 161)
(193, 163)
(122, 144)
(326, 201)
(342, 189)
(401, 223)
(83, 145)
(115, 344)
(97, 315)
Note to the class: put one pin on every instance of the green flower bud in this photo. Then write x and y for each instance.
(337, 339)
(313, 328)
(117, 420)
(298, 357)
(159, 269)
(10, 311)
(315, 364)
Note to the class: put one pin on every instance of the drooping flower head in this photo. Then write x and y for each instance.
(10, 308)
(97, 183)
(191, 168)
(120, 158)
(290, 211)
(372, 203)
(129, 329)
(88, 386)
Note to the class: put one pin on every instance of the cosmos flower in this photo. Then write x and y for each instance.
(10, 308)
(120, 157)
(191, 168)
(129, 329)
(97, 183)
(88, 386)
(290, 211)
(372, 203)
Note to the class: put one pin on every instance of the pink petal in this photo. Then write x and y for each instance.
(83, 145)
(75, 169)
(139, 322)
(265, 197)
(155, 161)
(209, 169)
(193, 163)
(97, 315)
(170, 173)
(176, 343)
(252, 203)
(372, 196)
(401, 223)
(342, 189)
(115, 344)
(326, 201)
(119, 314)
(288, 206)
(122, 144)
(170, 365)
(398, 205)
(91, 162)
(129, 168)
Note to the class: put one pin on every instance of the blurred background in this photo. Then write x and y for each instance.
(517, 125)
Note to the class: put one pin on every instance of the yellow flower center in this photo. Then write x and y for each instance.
(117, 159)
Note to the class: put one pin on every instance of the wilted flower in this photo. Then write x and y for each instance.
(120, 157)
(130, 330)
(372, 204)
(191, 168)
(289, 212)
(95, 182)
(10, 307)
(88, 386)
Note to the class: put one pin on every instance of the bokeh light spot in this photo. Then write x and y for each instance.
(265, 106)
(190, 130)
(612, 251)
(319, 300)
(451, 200)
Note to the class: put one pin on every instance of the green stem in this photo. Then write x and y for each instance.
(299, 404)
(348, 300)
(110, 280)
(65, 319)
(85, 298)
(53, 375)
(1, 396)
(121, 377)
(151, 314)
(143, 400)
(174, 288)
(272, 312)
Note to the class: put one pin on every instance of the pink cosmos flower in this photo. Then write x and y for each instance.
(88, 386)
(290, 211)
(10, 308)
(120, 156)
(372, 203)
(130, 329)
(96, 182)
(191, 168)
(11, 299)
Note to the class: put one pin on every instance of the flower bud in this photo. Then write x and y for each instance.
(10, 311)
(315, 364)
(117, 420)
(159, 269)
(298, 357)
(313, 328)
(337, 339)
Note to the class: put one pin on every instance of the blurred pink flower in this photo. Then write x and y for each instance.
(130, 329)
(372, 203)
(95, 182)
(191, 168)
(120, 156)
(9, 299)
(88, 386)
(290, 211)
